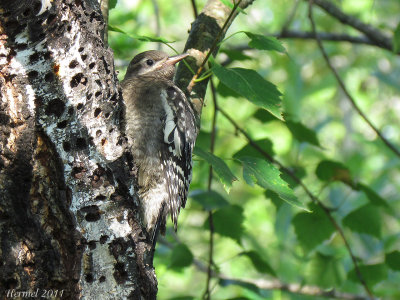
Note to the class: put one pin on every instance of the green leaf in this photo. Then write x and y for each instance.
(219, 166)
(141, 38)
(243, 284)
(228, 221)
(183, 298)
(396, 39)
(328, 170)
(235, 54)
(210, 200)
(373, 197)
(224, 91)
(302, 133)
(259, 263)
(392, 259)
(261, 42)
(326, 271)
(261, 172)
(312, 228)
(366, 219)
(112, 4)
(249, 150)
(181, 257)
(250, 84)
(372, 274)
(263, 116)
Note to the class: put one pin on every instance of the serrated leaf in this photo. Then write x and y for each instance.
(141, 38)
(262, 42)
(219, 166)
(181, 257)
(312, 228)
(328, 170)
(243, 284)
(392, 259)
(261, 172)
(259, 263)
(302, 133)
(249, 84)
(210, 200)
(372, 274)
(373, 197)
(396, 39)
(250, 151)
(366, 219)
(112, 4)
(326, 271)
(228, 222)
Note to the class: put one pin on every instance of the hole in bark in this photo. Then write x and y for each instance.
(101, 197)
(102, 278)
(97, 111)
(70, 110)
(88, 96)
(98, 93)
(103, 239)
(66, 146)
(80, 143)
(91, 66)
(107, 115)
(78, 172)
(103, 141)
(34, 57)
(32, 75)
(111, 130)
(76, 80)
(92, 213)
(92, 245)
(79, 106)
(55, 107)
(81, 49)
(89, 278)
(98, 133)
(21, 46)
(62, 124)
(69, 28)
(83, 56)
(120, 274)
(49, 77)
(73, 64)
(47, 55)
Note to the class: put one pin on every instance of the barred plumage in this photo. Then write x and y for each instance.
(161, 130)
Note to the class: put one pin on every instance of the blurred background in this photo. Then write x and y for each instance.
(259, 239)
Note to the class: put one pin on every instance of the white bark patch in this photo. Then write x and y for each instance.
(46, 4)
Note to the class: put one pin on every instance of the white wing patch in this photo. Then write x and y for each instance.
(171, 135)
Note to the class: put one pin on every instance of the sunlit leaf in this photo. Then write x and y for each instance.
(249, 84)
(261, 172)
(210, 200)
(259, 263)
(228, 221)
(392, 259)
(366, 219)
(181, 257)
(312, 228)
(219, 166)
(141, 38)
(372, 274)
(326, 271)
(262, 42)
(302, 133)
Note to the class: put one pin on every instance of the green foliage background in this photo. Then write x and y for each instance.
(266, 227)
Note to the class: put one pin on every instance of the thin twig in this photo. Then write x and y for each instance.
(194, 6)
(290, 18)
(313, 198)
(343, 87)
(207, 293)
(213, 47)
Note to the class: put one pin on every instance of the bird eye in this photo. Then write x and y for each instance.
(149, 62)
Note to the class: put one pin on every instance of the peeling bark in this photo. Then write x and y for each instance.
(68, 206)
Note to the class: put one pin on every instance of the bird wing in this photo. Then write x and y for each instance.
(179, 138)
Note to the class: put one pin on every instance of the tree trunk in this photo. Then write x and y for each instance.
(68, 206)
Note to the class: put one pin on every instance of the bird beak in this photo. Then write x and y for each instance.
(172, 60)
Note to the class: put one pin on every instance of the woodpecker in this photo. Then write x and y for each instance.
(161, 131)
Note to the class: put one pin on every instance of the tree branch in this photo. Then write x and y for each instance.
(343, 86)
(375, 35)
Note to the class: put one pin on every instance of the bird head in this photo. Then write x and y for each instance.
(155, 64)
